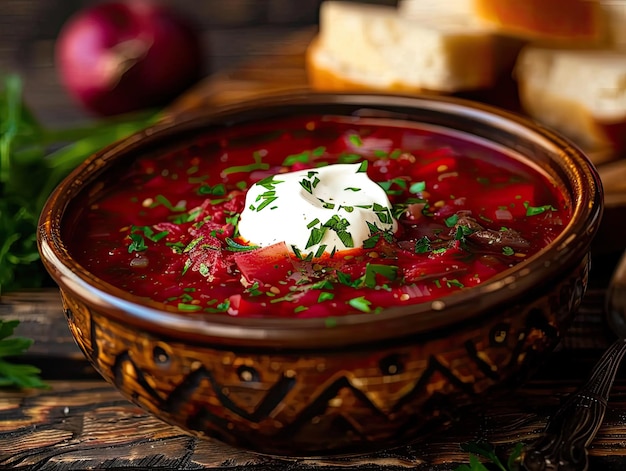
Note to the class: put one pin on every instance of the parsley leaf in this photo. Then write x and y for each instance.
(371, 270)
(535, 210)
(11, 374)
(422, 245)
(137, 244)
(216, 190)
(360, 303)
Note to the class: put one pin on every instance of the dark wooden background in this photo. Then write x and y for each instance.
(232, 31)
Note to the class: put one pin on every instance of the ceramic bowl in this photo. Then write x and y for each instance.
(294, 386)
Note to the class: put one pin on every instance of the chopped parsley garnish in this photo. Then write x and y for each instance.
(316, 236)
(417, 187)
(303, 157)
(383, 213)
(462, 232)
(223, 306)
(361, 304)
(310, 182)
(313, 223)
(325, 296)
(452, 220)
(363, 167)
(389, 185)
(186, 266)
(233, 246)
(454, 283)
(534, 210)
(344, 278)
(191, 245)
(162, 200)
(508, 250)
(422, 245)
(319, 151)
(254, 289)
(215, 190)
(371, 241)
(395, 153)
(269, 182)
(204, 270)
(137, 244)
(186, 217)
(177, 247)
(322, 284)
(149, 233)
(371, 270)
(257, 165)
(339, 225)
(266, 199)
(355, 140)
(320, 251)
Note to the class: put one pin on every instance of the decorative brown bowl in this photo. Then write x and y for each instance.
(294, 386)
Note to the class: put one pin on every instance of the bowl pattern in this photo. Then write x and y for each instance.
(315, 402)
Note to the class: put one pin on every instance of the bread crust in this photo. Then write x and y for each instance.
(553, 20)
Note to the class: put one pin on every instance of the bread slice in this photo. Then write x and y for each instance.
(326, 73)
(549, 21)
(581, 93)
(373, 47)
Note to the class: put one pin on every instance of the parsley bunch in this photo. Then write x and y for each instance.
(33, 160)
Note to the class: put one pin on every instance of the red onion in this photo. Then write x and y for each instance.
(121, 56)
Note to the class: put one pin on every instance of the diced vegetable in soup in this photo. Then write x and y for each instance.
(317, 216)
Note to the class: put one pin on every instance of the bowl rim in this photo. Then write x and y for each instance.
(313, 333)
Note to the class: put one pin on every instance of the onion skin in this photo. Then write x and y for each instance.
(121, 56)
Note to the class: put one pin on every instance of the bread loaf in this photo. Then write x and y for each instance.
(581, 93)
(374, 47)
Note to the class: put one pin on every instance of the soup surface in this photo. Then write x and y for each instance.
(452, 214)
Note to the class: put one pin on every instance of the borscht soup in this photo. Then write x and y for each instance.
(316, 216)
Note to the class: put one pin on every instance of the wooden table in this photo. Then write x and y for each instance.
(81, 422)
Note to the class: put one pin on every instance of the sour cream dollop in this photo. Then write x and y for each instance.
(321, 210)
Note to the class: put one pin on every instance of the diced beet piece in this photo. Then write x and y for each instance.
(267, 265)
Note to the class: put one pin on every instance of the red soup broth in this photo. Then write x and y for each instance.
(166, 228)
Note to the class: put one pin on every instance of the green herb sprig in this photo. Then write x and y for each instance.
(33, 161)
(12, 374)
